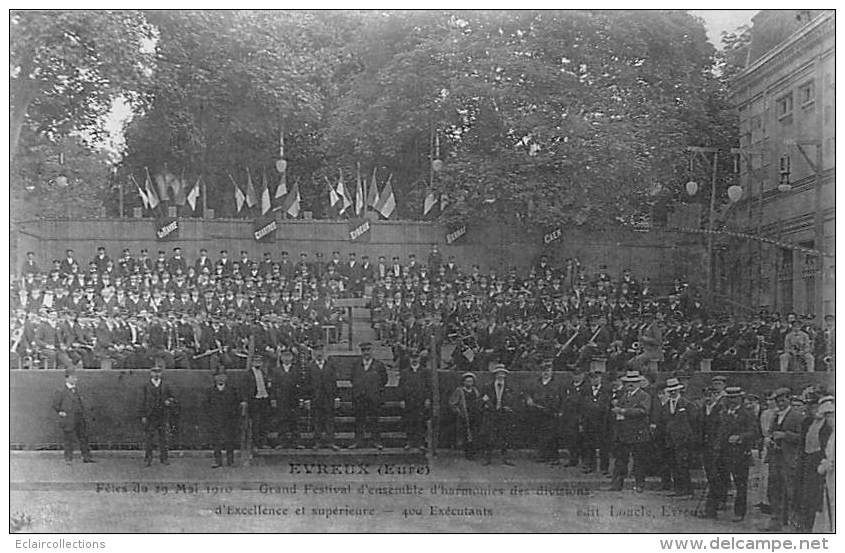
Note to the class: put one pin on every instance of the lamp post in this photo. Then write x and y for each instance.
(711, 214)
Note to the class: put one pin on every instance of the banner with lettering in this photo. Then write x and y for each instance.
(360, 230)
(166, 229)
(552, 235)
(264, 229)
(454, 233)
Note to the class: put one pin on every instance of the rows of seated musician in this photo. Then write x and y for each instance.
(565, 315)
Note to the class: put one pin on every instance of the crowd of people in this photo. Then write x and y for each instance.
(199, 314)
(618, 339)
(608, 423)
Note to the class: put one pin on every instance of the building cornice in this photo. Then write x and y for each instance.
(765, 61)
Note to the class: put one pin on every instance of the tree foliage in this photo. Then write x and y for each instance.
(571, 117)
(66, 67)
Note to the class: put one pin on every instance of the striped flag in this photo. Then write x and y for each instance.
(239, 195)
(387, 203)
(343, 192)
(282, 188)
(141, 192)
(372, 192)
(152, 198)
(359, 192)
(291, 204)
(193, 195)
(429, 203)
(251, 196)
(334, 201)
(265, 195)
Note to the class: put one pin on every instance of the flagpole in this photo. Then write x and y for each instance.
(204, 198)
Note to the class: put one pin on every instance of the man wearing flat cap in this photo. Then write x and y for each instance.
(499, 400)
(71, 411)
(783, 446)
(415, 393)
(677, 421)
(369, 376)
(736, 433)
(465, 403)
(223, 415)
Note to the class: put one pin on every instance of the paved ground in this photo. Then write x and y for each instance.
(277, 494)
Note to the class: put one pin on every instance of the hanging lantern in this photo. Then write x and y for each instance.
(61, 181)
(281, 165)
(734, 193)
(437, 165)
(692, 188)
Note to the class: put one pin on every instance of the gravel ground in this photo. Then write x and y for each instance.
(395, 494)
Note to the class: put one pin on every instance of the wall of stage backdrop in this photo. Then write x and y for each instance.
(660, 255)
(112, 400)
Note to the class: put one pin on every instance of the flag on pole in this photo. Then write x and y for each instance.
(239, 195)
(359, 191)
(251, 196)
(162, 185)
(387, 203)
(372, 193)
(193, 195)
(265, 195)
(429, 203)
(334, 201)
(177, 185)
(282, 187)
(152, 198)
(141, 193)
(292, 201)
(343, 192)
(443, 203)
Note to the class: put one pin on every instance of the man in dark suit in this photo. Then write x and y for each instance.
(572, 402)
(784, 448)
(157, 402)
(630, 414)
(415, 393)
(499, 400)
(737, 432)
(595, 423)
(322, 396)
(70, 408)
(286, 386)
(221, 406)
(544, 401)
(369, 377)
(677, 421)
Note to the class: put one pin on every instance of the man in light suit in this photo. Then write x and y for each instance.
(783, 445)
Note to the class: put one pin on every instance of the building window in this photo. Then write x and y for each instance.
(806, 94)
(784, 106)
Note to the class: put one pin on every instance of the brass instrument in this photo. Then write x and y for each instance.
(562, 348)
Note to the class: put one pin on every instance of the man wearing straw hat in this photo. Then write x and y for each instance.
(677, 420)
(630, 414)
(499, 400)
(736, 433)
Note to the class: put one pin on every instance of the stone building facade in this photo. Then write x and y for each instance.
(785, 99)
